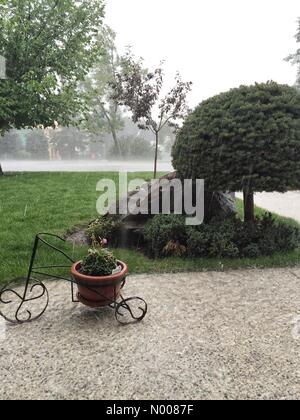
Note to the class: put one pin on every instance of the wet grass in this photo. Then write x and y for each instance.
(43, 202)
(56, 202)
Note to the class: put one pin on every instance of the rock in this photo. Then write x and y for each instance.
(220, 205)
(216, 204)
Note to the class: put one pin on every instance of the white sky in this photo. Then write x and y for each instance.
(217, 44)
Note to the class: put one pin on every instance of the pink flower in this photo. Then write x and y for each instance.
(104, 242)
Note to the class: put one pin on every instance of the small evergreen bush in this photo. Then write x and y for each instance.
(230, 238)
(163, 229)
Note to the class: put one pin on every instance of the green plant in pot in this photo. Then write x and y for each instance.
(99, 277)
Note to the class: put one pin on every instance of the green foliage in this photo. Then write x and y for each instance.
(141, 91)
(24, 144)
(230, 238)
(49, 47)
(37, 144)
(46, 202)
(276, 237)
(245, 139)
(98, 262)
(103, 114)
(10, 145)
(69, 142)
(105, 227)
(212, 241)
(133, 148)
(163, 229)
(50, 207)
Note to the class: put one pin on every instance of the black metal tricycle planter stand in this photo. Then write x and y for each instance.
(18, 307)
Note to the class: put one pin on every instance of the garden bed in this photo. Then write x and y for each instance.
(45, 202)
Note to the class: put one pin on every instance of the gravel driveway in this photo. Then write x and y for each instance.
(231, 335)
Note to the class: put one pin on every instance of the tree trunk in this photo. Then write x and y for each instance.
(113, 131)
(249, 214)
(156, 153)
(116, 141)
(1, 171)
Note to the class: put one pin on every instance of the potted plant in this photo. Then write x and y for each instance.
(99, 277)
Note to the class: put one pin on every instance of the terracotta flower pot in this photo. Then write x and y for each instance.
(97, 292)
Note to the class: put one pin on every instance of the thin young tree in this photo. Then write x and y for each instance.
(141, 91)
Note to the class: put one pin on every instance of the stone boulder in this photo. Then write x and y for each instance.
(217, 204)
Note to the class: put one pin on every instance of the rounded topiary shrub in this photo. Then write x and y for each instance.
(245, 139)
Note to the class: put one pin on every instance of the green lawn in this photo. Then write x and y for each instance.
(56, 202)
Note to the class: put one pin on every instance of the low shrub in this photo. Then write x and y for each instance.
(276, 237)
(230, 238)
(213, 240)
(251, 251)
(198, 243)
(106, 227)
(163, 229)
